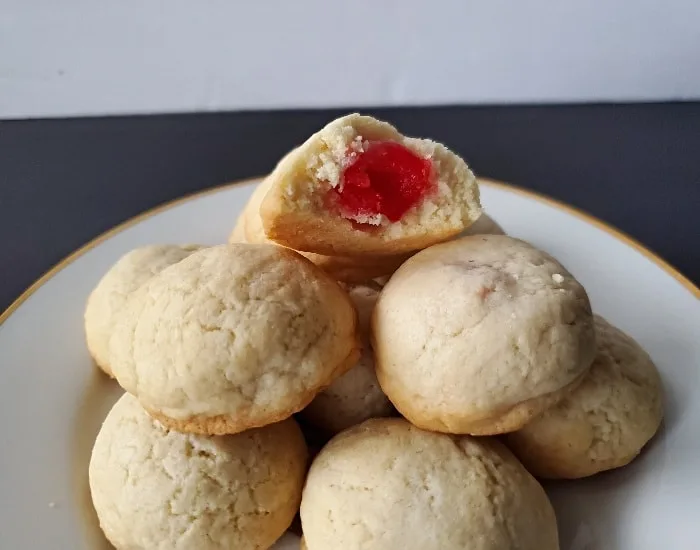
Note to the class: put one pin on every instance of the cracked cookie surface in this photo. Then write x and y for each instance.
(388, 485)
(157, 489)
(233, 337)
(109, 296)
(356, 395)
(481, 334)
(605, 422)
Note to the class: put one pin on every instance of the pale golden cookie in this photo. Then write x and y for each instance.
(110, 294)
(157, 489)
(602, 424)
(387, 485)
(480, 335)
(310, 204)
(355, 396)
(233, 337)
(350, 269)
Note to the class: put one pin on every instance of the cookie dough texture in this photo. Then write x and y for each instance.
(387, 485)
(295, 211)
(109, 296)
(355, 396)
(156, 489)
(480, 335)
(351, 269)
(233, 337)
(602, 424)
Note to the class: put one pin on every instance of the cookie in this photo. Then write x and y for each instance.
(350, 269)
(480, 335)
(360, 187)
(110, 294)
(386, 484)
(154, 488)
(233, 337)
(605, 422)
(355, 396)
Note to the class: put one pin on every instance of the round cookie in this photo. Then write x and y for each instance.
(156, 489)
(386, 484)
(351, 269)
(110, 294)
(480, 335)
(605, 422)
(233, 337)
(355, 396)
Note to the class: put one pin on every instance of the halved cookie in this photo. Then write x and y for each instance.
(358, 187)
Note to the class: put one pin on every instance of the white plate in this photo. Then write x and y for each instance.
(52, 399)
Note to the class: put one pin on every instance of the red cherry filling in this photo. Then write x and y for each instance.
(387, 178)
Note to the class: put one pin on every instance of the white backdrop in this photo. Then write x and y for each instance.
(67, 57)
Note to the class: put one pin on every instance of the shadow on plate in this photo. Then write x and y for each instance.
(101, 394)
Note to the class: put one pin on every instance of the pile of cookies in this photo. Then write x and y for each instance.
(364, 297)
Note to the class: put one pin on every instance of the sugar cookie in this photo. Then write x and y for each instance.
(110, 294)
(605, 422)
(360, 187)
(387, 485)
(233, 337)
(355, 396)
(480, 335)
(154, 488)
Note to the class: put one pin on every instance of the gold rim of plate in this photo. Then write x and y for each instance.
(592, 220)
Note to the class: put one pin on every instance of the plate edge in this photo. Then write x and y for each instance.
(555, 203)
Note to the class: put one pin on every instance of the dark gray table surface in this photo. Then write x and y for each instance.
(63, 182)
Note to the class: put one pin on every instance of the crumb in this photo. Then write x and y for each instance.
(557, 278)
(52, 504)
